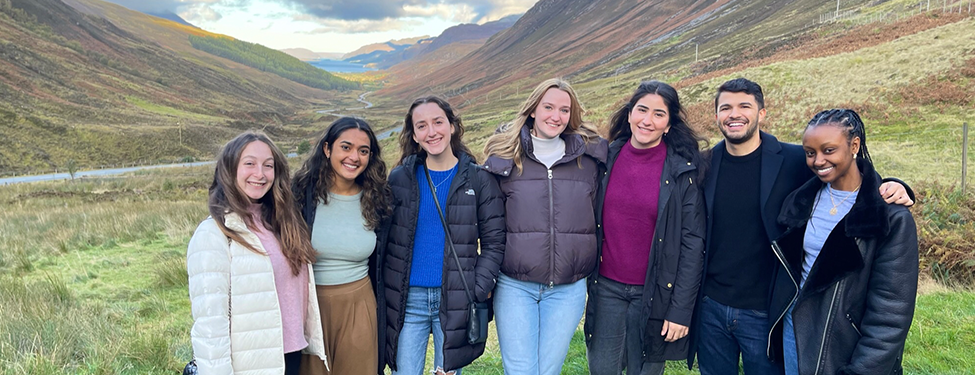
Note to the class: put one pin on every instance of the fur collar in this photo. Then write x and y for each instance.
(867, 218)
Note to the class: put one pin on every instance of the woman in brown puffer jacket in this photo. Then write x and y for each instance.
(548, 162)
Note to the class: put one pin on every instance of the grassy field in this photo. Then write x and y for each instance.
(93, 281)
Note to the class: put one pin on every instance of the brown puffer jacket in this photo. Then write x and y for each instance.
(549, 213)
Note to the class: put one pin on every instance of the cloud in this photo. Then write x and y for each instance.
(456, 10)
(358, 26)
(200, 12)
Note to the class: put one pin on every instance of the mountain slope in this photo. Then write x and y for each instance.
(76, 86)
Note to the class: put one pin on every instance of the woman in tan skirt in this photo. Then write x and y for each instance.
(342, 194)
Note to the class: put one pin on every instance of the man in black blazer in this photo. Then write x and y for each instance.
(750, 174)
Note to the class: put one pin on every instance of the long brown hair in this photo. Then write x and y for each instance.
(277, 206)
(317, 171)
(507, 143)
(409, 147)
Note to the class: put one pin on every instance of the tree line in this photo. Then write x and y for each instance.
(271, 61)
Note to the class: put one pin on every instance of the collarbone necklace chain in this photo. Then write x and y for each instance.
(445, 179)
(829, 188)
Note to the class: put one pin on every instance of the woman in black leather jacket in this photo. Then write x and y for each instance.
(843, 296)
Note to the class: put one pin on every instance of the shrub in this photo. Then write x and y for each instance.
(945, 220)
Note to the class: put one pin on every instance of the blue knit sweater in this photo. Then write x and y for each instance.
(426, 270)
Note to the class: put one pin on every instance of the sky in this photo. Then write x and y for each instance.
(329, 25)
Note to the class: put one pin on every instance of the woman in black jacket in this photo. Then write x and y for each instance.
(845, 289)
(424, 289)
(642, 293)
(341, 193)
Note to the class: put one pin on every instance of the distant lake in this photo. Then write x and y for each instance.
(339, 66)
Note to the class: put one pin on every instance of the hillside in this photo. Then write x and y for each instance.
(390, 46)
(905, 69)
(106, 85)
(305, 54)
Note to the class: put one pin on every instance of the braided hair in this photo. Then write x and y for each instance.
(848, 120)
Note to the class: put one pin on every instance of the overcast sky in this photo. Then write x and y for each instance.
(329, 25)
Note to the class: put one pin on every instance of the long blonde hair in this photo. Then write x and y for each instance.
(506, 144)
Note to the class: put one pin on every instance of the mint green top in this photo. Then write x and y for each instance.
(341, 241)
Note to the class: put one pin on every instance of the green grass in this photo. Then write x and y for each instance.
(93, 282)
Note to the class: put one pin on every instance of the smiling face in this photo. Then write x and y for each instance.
(649, 120)
(552, 114)
(829, 153)
(738, 116)
(255, 170)
(349, 155)
(431, 130)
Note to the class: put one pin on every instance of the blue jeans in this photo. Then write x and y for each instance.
(789, 349)
(615, 346)
(422, 318)
(535, 324)
(726, 332)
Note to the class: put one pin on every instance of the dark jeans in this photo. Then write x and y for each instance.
(727, 332)
(614, 345)
(292, 362)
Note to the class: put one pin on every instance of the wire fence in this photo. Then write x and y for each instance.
(861, 16)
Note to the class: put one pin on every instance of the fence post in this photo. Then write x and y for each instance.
(964, 156)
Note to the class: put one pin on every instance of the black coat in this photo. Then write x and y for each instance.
(677, 257)
(475, 212)
(783, 170)
(308, 208)
(855, 309)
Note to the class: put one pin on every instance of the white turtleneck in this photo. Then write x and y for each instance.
(548, 151)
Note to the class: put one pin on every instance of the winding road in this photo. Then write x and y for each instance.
(115, 171)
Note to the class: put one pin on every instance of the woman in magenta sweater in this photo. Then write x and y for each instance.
(651, 237)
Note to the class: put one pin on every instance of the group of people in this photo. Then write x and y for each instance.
(791, 259)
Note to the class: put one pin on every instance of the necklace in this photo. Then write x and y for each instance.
(833, 211)
(445, 179)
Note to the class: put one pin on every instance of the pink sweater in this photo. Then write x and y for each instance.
(292, 290)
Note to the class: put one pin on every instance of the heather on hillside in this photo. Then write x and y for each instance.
(272, 61)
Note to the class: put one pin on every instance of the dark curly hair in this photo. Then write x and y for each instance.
(317, 172)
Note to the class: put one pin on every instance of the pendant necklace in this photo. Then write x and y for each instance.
(829, 188)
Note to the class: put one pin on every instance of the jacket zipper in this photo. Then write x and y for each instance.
(829, 315)
(551, 228)
(852, 323)
(781, 257)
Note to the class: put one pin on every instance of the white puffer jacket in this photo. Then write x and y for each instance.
(236, 317)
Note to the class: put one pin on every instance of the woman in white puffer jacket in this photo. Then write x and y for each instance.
(254, 303)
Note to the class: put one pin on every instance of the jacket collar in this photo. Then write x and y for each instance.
(575, 147)
(234, 222)
(677, 164)
(867, 218)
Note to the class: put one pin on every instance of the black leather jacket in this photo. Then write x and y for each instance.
(854, 311)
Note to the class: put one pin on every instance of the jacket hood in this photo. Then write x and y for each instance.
(867, 218)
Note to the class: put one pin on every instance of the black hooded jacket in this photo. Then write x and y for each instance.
(474, 211)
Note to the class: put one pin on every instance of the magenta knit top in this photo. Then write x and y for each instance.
(630, 213)
(292, 290)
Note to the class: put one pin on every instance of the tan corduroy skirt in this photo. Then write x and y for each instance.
(349, 324)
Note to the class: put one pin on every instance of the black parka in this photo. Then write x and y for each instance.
(474, 211)
(855, 309)
(676, 257)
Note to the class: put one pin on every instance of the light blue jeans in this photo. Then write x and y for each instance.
(422, 318)
(535, 324)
